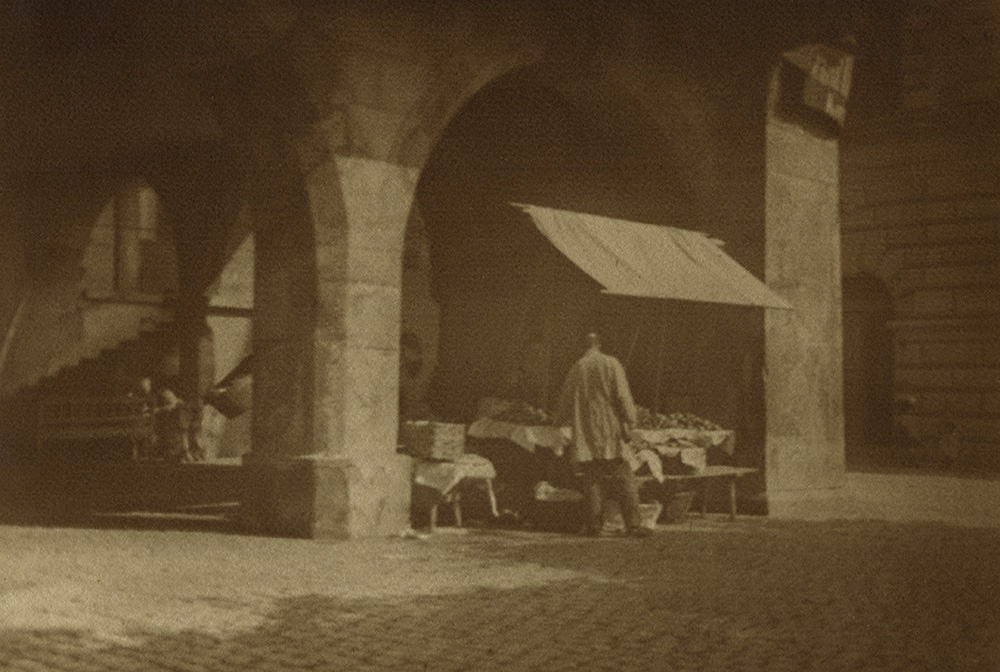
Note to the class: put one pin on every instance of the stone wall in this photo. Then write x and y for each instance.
(921, 213)
(72, 257)
(329, 112)
(805, 440)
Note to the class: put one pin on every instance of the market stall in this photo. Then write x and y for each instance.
(531, 456)
(644, 271)
(680, 441)
(527, 437)
(526, 449)
(645, 262)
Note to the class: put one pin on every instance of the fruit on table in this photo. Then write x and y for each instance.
(522, 413)
(677, 420)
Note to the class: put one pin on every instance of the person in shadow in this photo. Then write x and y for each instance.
(596, 403)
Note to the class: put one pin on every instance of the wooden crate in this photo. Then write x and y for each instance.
(429, 440)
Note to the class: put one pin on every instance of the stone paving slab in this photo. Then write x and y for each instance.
(754, 594)
(912, 496)
(894, 573)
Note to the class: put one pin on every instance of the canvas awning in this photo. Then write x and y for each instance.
(634, 259)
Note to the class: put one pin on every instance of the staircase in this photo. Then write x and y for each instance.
(117, 348)
(118, 343)
(72, 476)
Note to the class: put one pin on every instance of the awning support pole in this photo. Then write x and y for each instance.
(631, 347)
(659, 359)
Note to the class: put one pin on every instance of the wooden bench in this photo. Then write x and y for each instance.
(63, 419)
(705, 477)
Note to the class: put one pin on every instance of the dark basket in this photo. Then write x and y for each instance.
(676, 507)
(234, 399)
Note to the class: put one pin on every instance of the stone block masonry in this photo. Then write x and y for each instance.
(921, 213)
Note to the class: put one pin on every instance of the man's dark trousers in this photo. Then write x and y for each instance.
(614, 478)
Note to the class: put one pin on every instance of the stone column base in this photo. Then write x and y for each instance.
(812, 504)
(317, 497)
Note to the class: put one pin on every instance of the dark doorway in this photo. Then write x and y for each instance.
(868, 370)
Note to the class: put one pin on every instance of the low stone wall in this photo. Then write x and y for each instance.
(55, 489)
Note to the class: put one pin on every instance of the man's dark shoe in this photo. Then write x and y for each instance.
(640, 532)
(593, 532)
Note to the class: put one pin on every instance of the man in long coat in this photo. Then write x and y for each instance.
(597, 404)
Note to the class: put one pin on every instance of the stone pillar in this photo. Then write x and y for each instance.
(326, 349)
(804, 449)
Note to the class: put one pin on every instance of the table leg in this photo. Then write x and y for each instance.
(434, 517)
(493, 497)
(732, 499)
(457, 507)
(704, 498)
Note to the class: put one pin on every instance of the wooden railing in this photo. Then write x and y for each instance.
(87, 418)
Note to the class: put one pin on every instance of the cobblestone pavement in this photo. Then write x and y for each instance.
(754, 594)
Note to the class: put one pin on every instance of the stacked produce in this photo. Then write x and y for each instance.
(649, 420)
(639, 444)
(523, 413)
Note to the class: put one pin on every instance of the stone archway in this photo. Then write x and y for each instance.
(330, 110)
(330, 186)
(700, 147)
(545, 135)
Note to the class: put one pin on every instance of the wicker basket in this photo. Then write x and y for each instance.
(430, 440)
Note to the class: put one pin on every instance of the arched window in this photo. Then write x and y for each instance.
(130, 255)
(144, 259)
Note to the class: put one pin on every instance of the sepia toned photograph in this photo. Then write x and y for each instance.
(500, 335)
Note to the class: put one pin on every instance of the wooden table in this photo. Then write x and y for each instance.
(444, 478)
(706, 476)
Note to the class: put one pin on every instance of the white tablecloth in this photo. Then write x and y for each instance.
(526, 436)
(691, 445)
(443, 476)
(724, 438)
